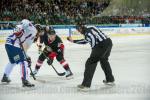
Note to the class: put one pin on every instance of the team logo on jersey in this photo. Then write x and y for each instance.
(17, 57)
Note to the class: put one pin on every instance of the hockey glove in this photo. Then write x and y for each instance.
(52, 55)
(61, 48)
(49, 61)
(29, 61)
(70, 39)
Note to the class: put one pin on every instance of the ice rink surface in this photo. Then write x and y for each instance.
(130, 61)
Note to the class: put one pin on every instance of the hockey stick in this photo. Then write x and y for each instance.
(59, 74)
(26, 59)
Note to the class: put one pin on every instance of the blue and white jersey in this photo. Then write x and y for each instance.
(27, 37)
(12, 40)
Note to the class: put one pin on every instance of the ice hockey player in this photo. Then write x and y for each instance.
(101, 47)
(24, 35)
(54, 48)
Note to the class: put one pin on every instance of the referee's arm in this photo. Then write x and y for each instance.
(82, 41)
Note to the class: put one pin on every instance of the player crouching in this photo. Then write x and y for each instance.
(16, 46)
(54, 47)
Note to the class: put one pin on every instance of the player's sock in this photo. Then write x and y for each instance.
(64, 64)
(69, 74)
(24, 70)
(37, 67)
(38, 64)
(8, 68)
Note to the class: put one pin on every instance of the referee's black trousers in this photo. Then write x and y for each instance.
(100, 52)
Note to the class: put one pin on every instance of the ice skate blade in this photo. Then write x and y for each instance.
(110, 84)
(5, 83)
(70, 77)
(32, 86)
(83, 89)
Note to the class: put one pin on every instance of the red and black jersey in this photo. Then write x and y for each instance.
(55, 45)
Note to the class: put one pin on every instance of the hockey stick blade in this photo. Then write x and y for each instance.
(59, 74)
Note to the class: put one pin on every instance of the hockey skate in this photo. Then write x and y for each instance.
(5, 79)
(83, 88)
(110, 83)
(26, 83)
(69, 74)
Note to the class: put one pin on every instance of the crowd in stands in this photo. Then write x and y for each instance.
(61, 12)
(51, 11)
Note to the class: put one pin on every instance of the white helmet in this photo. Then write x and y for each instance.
(25, 23)
(18, 28)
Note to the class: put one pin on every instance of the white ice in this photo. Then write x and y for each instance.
(130, 61)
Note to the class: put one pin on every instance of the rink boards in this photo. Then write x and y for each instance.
(65, 31)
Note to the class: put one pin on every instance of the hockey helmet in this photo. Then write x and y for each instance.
(51, 31)
(25, 23)
(39, 28)
(80, 26)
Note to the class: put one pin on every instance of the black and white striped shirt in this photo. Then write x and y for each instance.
(93, 36)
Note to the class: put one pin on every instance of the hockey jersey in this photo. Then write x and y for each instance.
(27, 37)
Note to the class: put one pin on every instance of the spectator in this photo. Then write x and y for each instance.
(54, 11)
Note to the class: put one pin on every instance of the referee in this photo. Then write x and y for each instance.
(101, 48)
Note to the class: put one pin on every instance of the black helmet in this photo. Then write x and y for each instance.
(81, 26)
(39, 27)
(51, 31)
